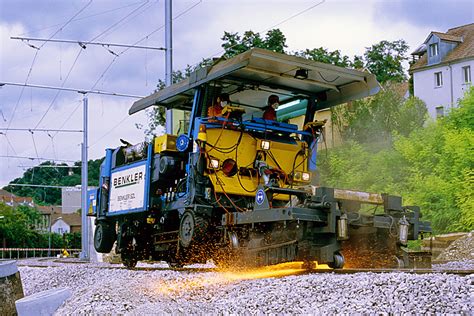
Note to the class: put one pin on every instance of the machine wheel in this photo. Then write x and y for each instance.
(104, 237)
(175, 264)
(338, 262)
(128, 252)
(400, 263)
(191, 228)
(129, 261)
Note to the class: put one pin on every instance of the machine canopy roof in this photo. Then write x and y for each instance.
(252, 76)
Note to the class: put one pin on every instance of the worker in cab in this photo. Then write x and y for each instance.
(269, 112)
(221, 102)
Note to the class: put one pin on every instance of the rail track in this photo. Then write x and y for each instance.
(461, 272)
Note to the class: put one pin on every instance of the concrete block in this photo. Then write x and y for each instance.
(11, 288)
(42, 303)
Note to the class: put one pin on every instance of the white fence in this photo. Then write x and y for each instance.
(21, 253)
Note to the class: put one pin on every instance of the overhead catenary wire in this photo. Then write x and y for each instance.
(269, 28)
(162, 26)
(109, 131)
(77, 57)
(34, 144)
(115, 55)
(3, 116)
(139, 41)
(64, 82)
(109, 66)
(118, 22)
(9, 144)
(52, 144)
(59, 91)
(68, 21)
(81, 51)
(33, 158)
(72, 90)
(64, 123)
(31, 69)
(83, 18)
(12, 116)
(35, 57)
(125, 50)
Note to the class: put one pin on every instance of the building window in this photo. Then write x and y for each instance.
(439, 111)
(466, 74)
(438, 79)
(434, 49)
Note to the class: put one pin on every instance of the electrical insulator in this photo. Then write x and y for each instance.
(342, 231)
(403, 230)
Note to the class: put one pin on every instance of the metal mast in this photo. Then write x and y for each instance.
(169, 60)
(85, 254)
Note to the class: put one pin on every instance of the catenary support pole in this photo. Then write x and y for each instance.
(84, 181)
(49, 235)
(169, 60)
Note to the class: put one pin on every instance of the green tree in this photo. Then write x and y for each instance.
(72, 240)
(235, 44)
(46, 174)
(376, 119)
(15, 228)
(324, 56)
(156, 115)
(431, 167)
(385, 60)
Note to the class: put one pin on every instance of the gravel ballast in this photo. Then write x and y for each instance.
(461, 249)
(203, 291)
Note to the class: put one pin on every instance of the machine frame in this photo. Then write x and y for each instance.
(201, 203)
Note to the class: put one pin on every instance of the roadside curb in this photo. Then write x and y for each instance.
(42, 303)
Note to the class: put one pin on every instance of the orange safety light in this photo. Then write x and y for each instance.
(202, 136)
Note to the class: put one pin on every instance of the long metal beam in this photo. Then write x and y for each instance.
(83, 91)
(84, 43)
(39, 186)
(48, 166)
(42, 130)
(35, 158)
(359, 196)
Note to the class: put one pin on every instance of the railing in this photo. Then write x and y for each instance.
(23, 253)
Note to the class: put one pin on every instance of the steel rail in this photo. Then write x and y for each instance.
(461, 272)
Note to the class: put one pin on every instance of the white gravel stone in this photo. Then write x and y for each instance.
(205, 291)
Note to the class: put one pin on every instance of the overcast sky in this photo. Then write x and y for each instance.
(349, 26)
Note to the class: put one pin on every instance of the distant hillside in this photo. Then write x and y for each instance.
(53, 176)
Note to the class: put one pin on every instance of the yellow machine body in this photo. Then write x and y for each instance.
(222, 145)
(165, 142)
